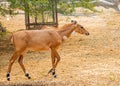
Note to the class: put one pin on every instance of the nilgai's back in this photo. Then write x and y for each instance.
(36, 39)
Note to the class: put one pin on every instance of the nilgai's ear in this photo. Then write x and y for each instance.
(73, 22)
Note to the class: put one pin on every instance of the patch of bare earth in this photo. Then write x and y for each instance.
(85, 60)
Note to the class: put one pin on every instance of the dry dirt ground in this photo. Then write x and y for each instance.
(85, 60)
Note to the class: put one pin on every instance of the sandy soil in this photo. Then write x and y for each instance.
(85, 60)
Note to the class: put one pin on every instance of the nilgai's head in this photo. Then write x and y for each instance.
(79, 28)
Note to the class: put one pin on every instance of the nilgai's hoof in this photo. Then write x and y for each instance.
(28, 76)
(55, 76)
(8, 76)
(8, 79)
(53, 73)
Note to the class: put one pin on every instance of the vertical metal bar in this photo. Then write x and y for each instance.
(26, 20)
(26, 15)
(35, 17)
(56, 15)
(53, 10)
(42, 13)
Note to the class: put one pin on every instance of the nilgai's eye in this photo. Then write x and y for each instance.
(81, 27)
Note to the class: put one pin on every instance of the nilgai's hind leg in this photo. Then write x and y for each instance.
(55, 59)
(12, 60)
(20, 61)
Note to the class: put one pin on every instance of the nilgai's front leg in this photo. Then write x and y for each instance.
(12, 60)
(55, 59)
(20, 61)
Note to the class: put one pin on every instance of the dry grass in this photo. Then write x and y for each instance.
(85, 60)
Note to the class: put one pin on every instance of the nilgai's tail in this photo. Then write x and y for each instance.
(10, 40)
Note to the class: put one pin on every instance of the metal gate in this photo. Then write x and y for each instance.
(44, 13)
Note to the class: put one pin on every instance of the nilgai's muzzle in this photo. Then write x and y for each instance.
(87, 33)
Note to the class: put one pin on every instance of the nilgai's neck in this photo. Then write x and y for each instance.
(66, 31)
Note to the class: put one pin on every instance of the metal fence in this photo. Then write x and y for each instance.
(45, 14)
